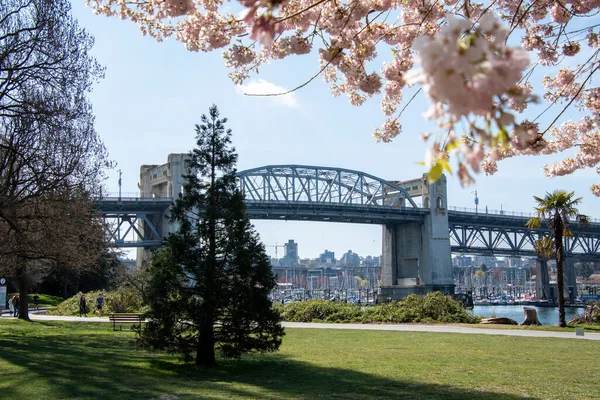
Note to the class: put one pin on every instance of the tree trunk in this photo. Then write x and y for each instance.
(65, 294)
(560, 259)
(22, 281)
(530, 315)
(205, 352)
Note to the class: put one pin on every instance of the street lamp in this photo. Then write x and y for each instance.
(120, 173)
(501, 210)
(476, 201)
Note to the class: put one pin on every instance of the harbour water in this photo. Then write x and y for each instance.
(546, 315)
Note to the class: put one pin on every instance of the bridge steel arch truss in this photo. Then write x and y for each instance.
(134, 222)
(301, 192)
(310, 184)
(508, 236)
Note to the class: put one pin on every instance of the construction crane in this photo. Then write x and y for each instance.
(276, 246)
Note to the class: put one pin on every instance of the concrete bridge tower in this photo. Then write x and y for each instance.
(165, 182)
(416, 255)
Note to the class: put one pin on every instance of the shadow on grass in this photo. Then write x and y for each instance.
(83, 364)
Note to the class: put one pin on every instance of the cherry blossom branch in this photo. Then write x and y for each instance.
(560, 93)
(572, 99)
(409, 102)
(301, 11)
(297, 87)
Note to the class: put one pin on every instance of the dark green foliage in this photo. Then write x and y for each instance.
(435, 307)
(209, 286)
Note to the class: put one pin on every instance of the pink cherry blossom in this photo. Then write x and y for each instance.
(461, 55)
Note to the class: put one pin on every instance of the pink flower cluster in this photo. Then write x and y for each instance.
(177, 8)
(564, 85)
(465, 67)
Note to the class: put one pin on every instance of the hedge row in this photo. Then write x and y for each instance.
(435, 307)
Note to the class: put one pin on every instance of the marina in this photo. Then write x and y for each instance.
(546, 315)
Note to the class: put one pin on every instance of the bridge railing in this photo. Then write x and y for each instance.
(493, 212)
(331, 204)
(506, 213)
(129, 196)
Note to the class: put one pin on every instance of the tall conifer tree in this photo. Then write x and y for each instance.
(210, 283)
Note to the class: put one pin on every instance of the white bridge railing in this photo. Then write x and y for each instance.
(484, 211)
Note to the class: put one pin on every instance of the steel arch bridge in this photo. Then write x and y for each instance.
(279, 192)
(312, 193)
(325, 194)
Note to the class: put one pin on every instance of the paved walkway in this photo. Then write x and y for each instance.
(446, 329)
(378, 327)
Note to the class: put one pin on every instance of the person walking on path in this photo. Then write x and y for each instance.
(100, 303)
(36, 301)
(11, 306)
(82, 306)
(17, 304)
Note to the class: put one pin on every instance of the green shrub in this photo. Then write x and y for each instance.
(434, 307)
(119, 301)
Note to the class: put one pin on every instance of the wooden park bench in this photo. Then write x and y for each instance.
(125, 318)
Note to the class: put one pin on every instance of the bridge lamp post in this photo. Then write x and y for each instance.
(476, 201)
(501, 210)
(120, 173)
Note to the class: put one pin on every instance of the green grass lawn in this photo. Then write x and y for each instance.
(549, 328)
(59, 360)
(46, 300)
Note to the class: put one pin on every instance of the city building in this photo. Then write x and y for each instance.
(290, 252)
(350, 258)
(487, 260)
(372, 261)
(327, 257)
(515, 262)
(462, 261)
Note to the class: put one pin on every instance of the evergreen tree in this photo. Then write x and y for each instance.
(209, 285)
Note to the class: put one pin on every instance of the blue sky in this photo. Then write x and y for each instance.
(154, 93)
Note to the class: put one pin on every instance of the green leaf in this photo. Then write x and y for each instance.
(534, 223)
(435, 172)
(567, 232)
(446, 165)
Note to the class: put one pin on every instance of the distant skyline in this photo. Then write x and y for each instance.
(154, 93)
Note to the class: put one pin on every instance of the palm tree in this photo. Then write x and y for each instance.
(556, 209)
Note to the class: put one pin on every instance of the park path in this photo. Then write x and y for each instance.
(381, 327)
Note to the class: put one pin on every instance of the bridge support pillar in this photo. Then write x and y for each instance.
(416, 255)
(542, 280)
(570, 280)
(163, 181)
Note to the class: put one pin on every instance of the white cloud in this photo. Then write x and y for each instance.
(263, 87)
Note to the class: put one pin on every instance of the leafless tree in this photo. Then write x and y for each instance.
(51, 157)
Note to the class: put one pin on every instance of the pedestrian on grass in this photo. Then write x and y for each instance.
(99, 303)
(82, 306)
(36, 301)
